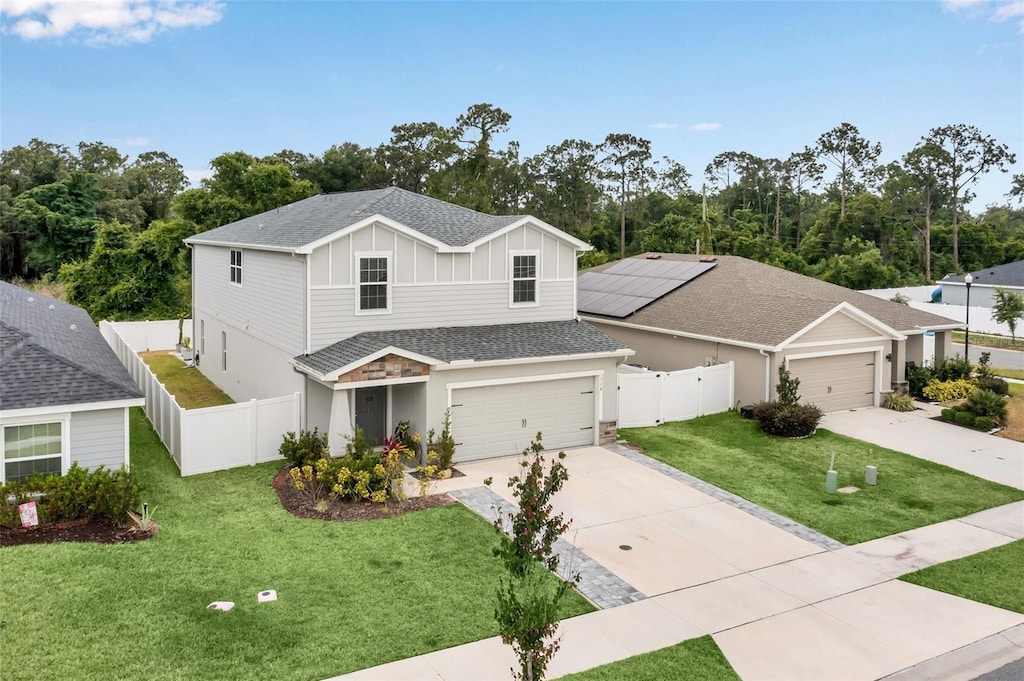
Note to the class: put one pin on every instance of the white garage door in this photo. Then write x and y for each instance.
(499, 420)
(836, 382)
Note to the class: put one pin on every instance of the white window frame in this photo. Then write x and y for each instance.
(65, 439)
(357, 274)
(235, 267)
(224, 351)
(512, 255)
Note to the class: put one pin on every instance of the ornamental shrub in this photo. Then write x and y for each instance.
(918, 378)
(79, 493)
(953, 368)
(943, 391)
(993, 383)
(984, 423)
(898, 402)
(948, 415)
(791, 420)
(965, 418)
(987, 403)
(305, 449)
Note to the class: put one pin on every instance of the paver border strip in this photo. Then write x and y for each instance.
(598, 584)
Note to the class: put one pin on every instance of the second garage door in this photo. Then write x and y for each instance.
(836, 382)
(499, 420)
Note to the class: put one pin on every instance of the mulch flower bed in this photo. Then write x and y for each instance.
(98, 530)
(341, 509)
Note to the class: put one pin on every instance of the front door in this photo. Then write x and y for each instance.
(371, 412)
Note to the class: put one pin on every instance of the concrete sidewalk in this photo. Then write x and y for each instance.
(833, 615)
(916, 433)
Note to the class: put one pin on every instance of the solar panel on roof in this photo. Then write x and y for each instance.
(632, 284)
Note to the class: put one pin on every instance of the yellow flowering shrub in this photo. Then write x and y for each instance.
(944, 391)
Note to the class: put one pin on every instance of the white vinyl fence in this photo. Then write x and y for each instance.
(202, 440)
(647, 398)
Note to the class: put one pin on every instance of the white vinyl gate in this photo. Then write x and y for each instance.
(647, 398)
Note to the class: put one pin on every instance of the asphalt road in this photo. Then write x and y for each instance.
(1002, 359)
(1010, 672)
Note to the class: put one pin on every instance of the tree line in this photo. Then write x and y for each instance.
(110, 228)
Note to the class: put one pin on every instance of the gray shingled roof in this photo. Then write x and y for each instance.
(751, 302)
(51, 354)
(478, 343)
(308, 220)
(1010, 274)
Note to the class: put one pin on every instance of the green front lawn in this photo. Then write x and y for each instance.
(698, 659)
(190, 388)
(350, 595)
(788, 476)
(991, 577)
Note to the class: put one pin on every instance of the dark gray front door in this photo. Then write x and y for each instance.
(371, 411)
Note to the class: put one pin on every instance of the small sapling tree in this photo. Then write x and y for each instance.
(528, 600)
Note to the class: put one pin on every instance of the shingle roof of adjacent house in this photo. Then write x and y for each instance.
(308, 220)
(476, 343)
(751, 302)
(52, 354)
(1010, 274)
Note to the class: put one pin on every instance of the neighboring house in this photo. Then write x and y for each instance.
(679, 311)
(64, 396)
(384, 306)
(983, 285)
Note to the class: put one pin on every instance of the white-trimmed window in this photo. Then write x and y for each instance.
(523, 290)
(31, 448)
(374, 290)
(236, 267)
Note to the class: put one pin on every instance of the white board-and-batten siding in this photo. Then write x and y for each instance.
(269, 305)
(98, 438)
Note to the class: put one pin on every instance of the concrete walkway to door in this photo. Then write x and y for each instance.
(778, 606)
(918, 433)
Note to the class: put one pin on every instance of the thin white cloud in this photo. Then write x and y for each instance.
(104, 21)
(195, 177)
(705, 127)
(997, 10)
(135, 141)
(663, 126)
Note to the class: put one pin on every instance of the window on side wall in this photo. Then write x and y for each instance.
(32, 448)
(524, 279)
(236, 267)
(374, 284)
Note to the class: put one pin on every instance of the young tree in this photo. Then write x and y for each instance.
(851, 154)
(924, 167)
(968, 155)
(1008, 308)
(528, 599)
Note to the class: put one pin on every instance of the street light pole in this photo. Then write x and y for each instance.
(967, 323)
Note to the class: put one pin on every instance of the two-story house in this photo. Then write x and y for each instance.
(384, 306)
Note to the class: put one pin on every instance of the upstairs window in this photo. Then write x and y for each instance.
(236, 267)
(524, 279)
(373, 284)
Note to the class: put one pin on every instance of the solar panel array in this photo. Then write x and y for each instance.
(631, 284)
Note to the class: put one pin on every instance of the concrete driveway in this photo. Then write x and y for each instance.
(675, 536)
(917, 433)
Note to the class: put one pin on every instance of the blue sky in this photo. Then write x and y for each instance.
(197, 78)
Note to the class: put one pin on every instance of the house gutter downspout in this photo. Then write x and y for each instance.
(767, 374)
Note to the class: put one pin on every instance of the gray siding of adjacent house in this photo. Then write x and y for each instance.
(981, 296)
(431, 289)
(98, 438)
(263, 321)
